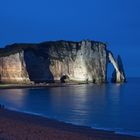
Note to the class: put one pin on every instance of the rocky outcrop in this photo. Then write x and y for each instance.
(63, 61)
(118, 76)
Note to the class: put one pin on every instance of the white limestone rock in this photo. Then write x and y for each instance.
(84, 61)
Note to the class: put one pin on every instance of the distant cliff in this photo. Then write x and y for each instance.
(62, 61)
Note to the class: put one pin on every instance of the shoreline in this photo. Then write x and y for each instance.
(79, 126)
(47, 85)
(22, 86)
(18, 125)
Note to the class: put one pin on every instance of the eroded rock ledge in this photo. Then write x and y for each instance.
(62, 61)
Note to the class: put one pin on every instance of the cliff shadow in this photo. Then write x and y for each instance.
(37, 66)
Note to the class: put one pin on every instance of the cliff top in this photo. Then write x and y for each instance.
(18, 47)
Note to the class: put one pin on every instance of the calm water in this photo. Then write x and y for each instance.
(109, 106)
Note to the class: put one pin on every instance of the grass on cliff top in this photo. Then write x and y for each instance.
(10, 50)
(18, 47)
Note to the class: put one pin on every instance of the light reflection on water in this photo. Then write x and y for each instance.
(16, 99)
(109, 106)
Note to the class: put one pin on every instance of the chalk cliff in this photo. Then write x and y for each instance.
(118, 76)
(63, 61)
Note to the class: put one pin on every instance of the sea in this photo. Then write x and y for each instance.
(114, 107)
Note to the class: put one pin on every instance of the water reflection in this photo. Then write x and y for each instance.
(14, 97)
(112, 106)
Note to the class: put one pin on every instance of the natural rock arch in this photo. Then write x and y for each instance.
(118, 76)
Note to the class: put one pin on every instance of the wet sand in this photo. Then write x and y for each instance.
(20, 126)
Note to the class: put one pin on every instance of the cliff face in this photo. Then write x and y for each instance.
(13, 69)
(84, 61)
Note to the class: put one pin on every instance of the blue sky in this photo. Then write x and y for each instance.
(116, 22)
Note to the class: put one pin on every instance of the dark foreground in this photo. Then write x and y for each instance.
(20, 126)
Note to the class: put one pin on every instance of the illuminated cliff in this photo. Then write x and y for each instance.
(84, 61)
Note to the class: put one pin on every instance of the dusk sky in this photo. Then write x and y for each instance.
(116, 22)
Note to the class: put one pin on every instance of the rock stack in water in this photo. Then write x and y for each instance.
(119, 76)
